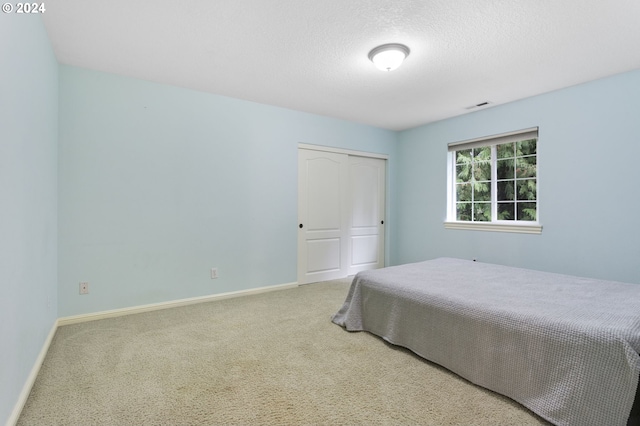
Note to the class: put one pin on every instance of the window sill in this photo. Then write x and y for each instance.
(495, 227)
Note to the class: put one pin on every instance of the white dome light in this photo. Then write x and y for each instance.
(388, 57)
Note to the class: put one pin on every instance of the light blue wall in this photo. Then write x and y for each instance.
(158, 184)
(589, 152)
(28, 209)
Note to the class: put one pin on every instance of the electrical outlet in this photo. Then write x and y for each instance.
(84, 288)
(214, 273)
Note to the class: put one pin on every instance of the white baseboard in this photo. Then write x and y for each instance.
(26, 389)
(171, 304)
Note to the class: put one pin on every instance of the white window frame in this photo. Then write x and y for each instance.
(523, 227)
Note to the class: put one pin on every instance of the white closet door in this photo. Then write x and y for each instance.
(366, 213)
(322, 215)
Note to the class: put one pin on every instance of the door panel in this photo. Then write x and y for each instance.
(365, 250)
(367, 208)
(324, 192)
(364, 194)
(323, 255)
(322, 208)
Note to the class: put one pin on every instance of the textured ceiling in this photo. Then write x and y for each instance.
(311, 55)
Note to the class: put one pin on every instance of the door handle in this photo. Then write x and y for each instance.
(382, 222)
(300, 226)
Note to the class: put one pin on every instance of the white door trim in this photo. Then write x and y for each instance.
(342, 151)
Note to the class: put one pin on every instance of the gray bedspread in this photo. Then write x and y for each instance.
(565, 347)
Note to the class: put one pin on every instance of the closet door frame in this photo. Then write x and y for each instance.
(365, 154)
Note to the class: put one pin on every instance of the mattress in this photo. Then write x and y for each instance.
(565, 347)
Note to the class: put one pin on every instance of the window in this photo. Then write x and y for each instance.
(493, 183)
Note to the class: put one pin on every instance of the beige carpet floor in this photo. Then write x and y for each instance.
(267, 359)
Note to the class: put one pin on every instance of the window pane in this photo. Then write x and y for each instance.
(482, 212)
(463, 157)
(527, 211)
(482, 191)
(463, 192)
(526, 167)
(527, 147)
(506, 169)
(463, 211)
(506, 150)
(482, 170)
(506, 190)
(527, 189)
(506, 211)
(482, 154)
(463, 173)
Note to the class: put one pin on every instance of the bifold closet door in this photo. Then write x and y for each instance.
(322, 216)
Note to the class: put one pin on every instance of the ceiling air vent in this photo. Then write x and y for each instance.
(481, 104)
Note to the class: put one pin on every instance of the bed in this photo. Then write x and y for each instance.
(565, 347)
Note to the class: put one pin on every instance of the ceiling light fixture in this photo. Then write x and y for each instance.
(388, 57)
